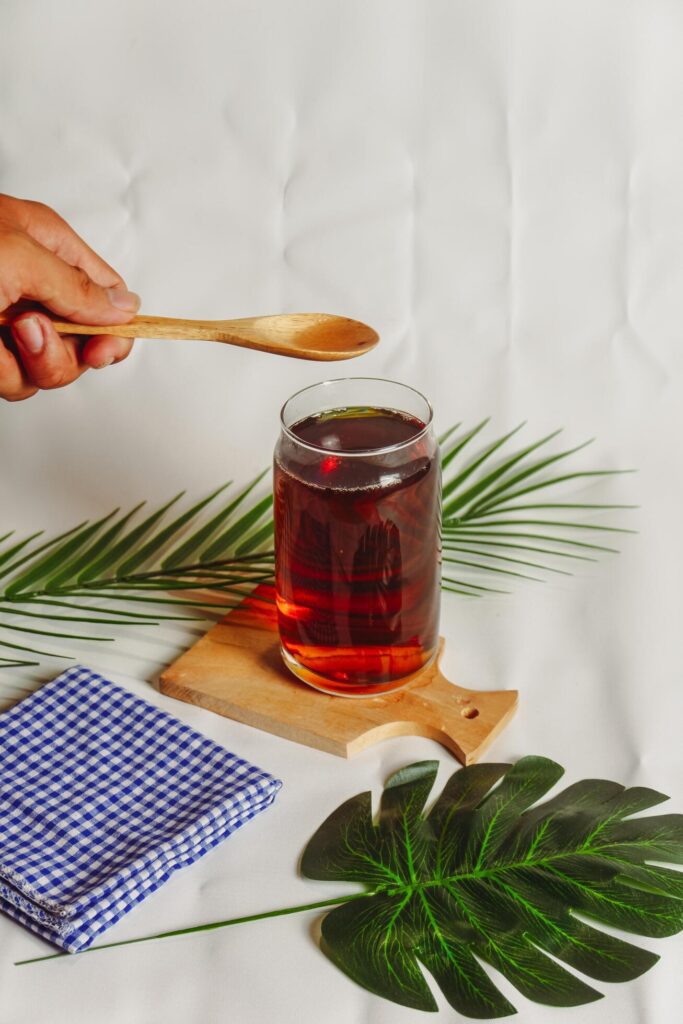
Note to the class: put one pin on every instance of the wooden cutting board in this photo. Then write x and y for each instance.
(236, 670)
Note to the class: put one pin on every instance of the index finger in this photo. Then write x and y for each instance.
(45, 226)
(65, 289)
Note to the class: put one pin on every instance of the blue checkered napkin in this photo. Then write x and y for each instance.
(102, 797)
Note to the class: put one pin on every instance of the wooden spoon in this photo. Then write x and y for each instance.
(301, 335)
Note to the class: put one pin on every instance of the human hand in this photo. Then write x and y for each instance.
(42, 259)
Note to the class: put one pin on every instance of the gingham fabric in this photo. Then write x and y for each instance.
(102, 797)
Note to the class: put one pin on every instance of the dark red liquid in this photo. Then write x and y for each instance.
(357, 549)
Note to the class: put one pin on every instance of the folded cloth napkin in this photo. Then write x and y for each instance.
(102, 797)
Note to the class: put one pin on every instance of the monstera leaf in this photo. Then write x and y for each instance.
(489, 877)
(483, 879)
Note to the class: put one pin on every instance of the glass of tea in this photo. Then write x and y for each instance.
(357, 492)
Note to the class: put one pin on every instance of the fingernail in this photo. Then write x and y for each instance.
(106, 362)
(30, 334)
(121, 298)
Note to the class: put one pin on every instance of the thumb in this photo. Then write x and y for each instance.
(69, 291)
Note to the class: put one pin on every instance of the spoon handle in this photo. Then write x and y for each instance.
(147, 327)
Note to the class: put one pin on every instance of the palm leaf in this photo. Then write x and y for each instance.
(442, 438)
(9, 553)
(31, 555)
(84, 559)
(101, 570)
(40, 569)
(230, 537)
(498, 526)
(487, 507)
(32, 650)
(96, 616)
(450, 453)
(108, 559)
(70, 605)
(491, 878)
(470, 467)
(487, 494)
(195, 543)
(163, 537)
(255, 539)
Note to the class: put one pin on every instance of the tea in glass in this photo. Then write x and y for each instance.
(357, 504)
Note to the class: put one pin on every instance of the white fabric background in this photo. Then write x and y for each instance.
(496, 186)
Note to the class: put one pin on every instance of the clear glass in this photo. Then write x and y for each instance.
(357, 486)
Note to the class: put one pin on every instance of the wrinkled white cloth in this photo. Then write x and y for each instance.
(496, 187)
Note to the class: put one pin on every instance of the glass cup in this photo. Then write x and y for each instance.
(357, 500)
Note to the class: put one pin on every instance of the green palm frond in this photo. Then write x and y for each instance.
(494, 527)
(97, 573)
(135, 569)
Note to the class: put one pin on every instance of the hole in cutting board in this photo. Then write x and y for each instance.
(469, 712)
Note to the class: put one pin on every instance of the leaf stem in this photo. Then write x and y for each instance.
(335, 901)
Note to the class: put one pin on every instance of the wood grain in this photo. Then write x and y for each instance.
(236, 670)
(320, 336)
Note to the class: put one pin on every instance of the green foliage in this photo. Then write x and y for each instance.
(487, 878)
(494, 527)
(494, 530)
(120, 571)
(490, 877)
